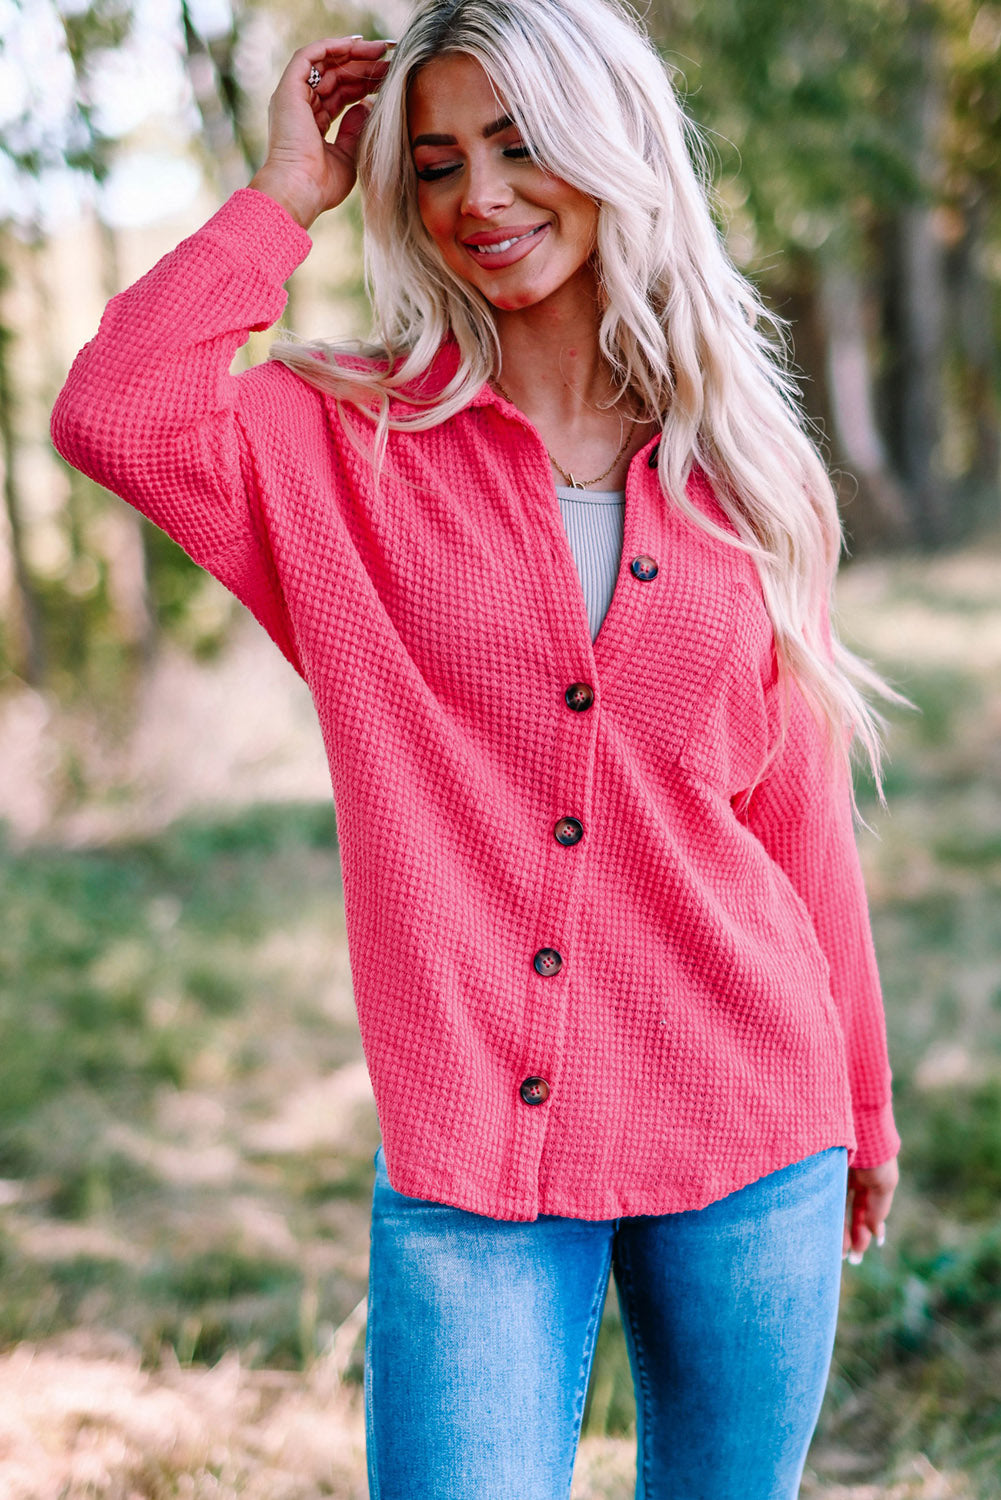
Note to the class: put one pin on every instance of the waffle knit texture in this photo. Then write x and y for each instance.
(717, 1014)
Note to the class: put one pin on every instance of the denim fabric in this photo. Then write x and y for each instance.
(481, 1334)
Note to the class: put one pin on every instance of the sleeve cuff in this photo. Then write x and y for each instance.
(876, 1137)
(253, 226)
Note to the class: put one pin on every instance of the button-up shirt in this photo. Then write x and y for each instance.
(637, 1019)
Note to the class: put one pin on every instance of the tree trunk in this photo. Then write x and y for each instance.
(25, 620)
(919, 301)
(858, 440)
(212, 71)
(973, 305)
(125, 530)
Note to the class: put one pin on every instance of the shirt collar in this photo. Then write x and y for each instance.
(444, 365)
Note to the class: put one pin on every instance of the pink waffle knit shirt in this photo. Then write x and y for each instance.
(693, 981)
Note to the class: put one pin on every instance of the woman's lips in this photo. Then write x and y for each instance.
(486, 249)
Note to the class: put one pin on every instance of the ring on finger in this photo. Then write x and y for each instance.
(314, 76)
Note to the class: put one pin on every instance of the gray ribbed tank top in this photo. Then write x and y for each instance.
(593, 521)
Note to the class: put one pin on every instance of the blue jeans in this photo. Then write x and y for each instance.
(481, 1334)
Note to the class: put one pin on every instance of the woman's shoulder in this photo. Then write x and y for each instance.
(349, 370)
(305, 376)
(413, 379)
(704, 493)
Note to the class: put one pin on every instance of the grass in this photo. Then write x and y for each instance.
(918, 1360)
(158, 1001)
(186, 1132)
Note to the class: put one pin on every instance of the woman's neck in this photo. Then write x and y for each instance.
(550, 356)
(553, 370)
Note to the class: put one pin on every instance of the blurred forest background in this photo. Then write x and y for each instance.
(186, 1129)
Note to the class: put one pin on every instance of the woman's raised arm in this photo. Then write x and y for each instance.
(150, 409)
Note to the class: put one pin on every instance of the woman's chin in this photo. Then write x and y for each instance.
(511, 301)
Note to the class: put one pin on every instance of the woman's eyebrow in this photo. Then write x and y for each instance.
(494, 128)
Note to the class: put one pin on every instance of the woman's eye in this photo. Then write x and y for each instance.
(432, 174)
(518, 152)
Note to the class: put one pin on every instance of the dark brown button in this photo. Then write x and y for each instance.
(579, 696)
(547, 961)
(535, 1091)
(569, 831)
(644, 568)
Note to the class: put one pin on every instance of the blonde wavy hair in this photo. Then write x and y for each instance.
(683, 332)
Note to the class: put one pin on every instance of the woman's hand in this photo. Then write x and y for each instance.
(870, 1193)
(305, 172)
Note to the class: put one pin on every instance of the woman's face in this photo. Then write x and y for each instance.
(510, 229)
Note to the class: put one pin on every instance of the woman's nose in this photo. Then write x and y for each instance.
(486, 192)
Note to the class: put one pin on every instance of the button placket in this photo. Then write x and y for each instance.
(647, 517)
(574, 748)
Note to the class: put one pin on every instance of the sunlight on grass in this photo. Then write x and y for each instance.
(80, 1426)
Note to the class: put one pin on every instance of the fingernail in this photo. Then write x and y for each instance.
(855, 1258)
(881, 1236)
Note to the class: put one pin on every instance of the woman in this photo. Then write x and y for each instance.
(554, 557)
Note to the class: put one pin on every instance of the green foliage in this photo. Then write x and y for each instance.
(212, 1300)
(266, 829)
(610, 1409)
(176, 585)
(59, 134)
(99, 943)
(128, 975)
(810, 103)
(958, 1163)
(802, 100)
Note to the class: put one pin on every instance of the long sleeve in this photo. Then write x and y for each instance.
(150, 410)
(802, 814)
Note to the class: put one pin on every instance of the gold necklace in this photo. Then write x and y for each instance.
(574, 483)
